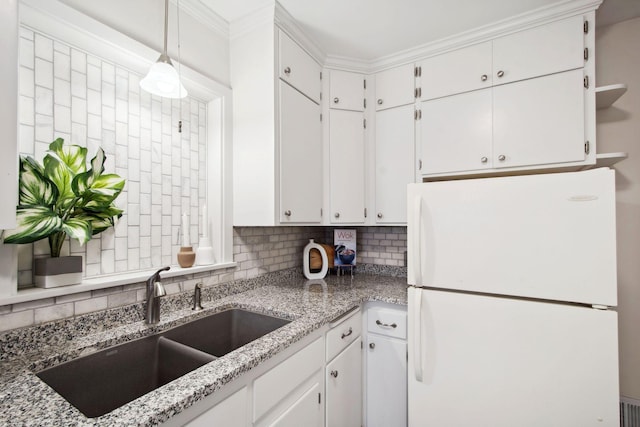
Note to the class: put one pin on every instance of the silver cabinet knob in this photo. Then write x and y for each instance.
(484, 77)
(334, 374)
(337, 215)
(379, 215)
(336, 100)
(380, 101)
(287, 71)
(484, 160)
(500, 73)
(502, 157)
(372, 345)
(287, 213)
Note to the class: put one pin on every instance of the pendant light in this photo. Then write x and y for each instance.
(162, 79)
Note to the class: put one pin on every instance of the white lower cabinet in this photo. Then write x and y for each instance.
(307, 410)
(344, 387)
(386, 366)
(231, 412)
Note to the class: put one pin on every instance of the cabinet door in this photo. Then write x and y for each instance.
(458, 71)
(386, 382)
(344, 388)
(539, 121)
(395, 87)
(346, 147)
(395, 142)
(542, 50)
(456, 133)
(306, 411)
(300, 157)
(298, 68)
(346, 90)
(231, 412)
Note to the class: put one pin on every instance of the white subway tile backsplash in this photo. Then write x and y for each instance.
(94, 102)
(26, 53)
(94, 126)
(54, 312)
(62, 65)
(16, 320)
(78, 61)
(27, 110)
(91, 305)
(62, 119)
(43, 73)
(62, 92)
(107, 261)
(94, 76)
(26, 82)
(78, 110)
(108, 73)
(44, 101)
(79, 84)
(43, 47)
(43, 133)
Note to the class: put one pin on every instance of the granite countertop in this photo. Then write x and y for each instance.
(26, 400)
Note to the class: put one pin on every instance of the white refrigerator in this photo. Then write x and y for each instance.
(512, 296)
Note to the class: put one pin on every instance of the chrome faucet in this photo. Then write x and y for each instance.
(197, 297)
(155, 290)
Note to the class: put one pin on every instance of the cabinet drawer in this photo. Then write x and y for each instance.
(343, 334)
(387, 321)
(298, 68)
(275, 385)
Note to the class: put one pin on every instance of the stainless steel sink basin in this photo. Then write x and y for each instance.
(103, 381)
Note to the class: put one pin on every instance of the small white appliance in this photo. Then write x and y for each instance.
(512, 295)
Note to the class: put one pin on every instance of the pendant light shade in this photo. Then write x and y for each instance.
(162, 78)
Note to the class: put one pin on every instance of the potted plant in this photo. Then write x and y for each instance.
(63, 197)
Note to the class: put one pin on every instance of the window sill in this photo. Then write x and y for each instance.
(106, 281)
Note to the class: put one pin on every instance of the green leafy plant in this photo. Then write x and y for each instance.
(63, 198)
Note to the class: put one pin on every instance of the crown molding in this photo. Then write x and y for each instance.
(286, 22)
(247, 23)
(204, 14)
(477, 35)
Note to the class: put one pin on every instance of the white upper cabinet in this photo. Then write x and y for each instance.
(298, 68)
(455, 72)
(547, 49)
(557, 133)
(456, 133)
(300, 157)
(535, 52)
(277, 132)
(346, 91)
(394, 162)
(395, 87)
(346, 164)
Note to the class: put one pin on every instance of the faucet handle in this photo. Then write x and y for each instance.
(156, 276)
(197, 297)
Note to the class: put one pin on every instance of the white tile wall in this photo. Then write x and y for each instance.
(88, 101)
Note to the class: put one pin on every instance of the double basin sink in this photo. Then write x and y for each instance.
(103, 381)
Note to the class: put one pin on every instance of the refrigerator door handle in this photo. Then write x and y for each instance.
(417, 334)
(417, 241)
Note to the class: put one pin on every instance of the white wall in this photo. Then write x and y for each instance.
(618, 129)
(202, 48)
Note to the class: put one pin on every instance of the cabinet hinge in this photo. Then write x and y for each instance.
(417, 114)
(364, 102)
(319, 398)
(364, 83)
(364, 123)
(585, 82)
(320, 75)
(587, 147)
(320, 96)
(586, 53)
(420, 71)
(417, 71)
(585, 27)
(365, 215)
(420, 164)
(320, 211)
(320, 116)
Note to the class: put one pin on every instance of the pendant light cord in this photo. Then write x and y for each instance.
(179, 71)
(166, 26)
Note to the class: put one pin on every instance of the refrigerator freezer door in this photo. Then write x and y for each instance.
(501, 362)
(548, 236)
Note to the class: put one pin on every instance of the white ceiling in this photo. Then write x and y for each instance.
(371, 29)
